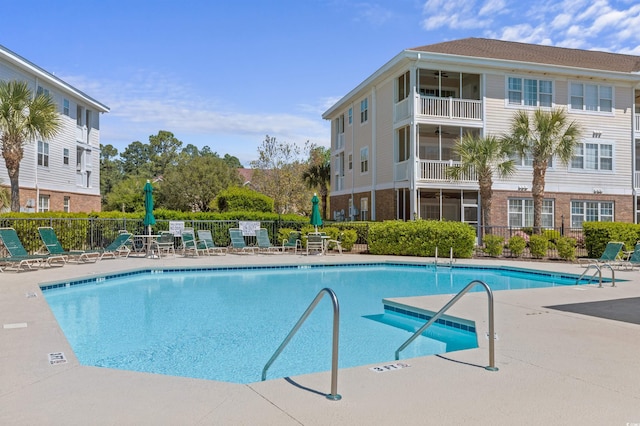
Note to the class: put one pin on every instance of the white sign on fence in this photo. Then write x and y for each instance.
(176, 227)
(248, 228)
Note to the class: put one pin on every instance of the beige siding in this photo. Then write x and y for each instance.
(384, 133)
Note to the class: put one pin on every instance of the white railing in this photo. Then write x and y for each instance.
(450, 108)
(637, 124)
(340, 141)
(81, 134)
(436, 170)
(401, 109)
(401, 171)
(636, 180)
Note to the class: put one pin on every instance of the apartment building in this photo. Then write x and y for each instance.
(392, 136)
(61, 174)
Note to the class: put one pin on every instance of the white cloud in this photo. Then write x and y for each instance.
(374, 14)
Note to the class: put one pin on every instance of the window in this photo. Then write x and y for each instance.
(590, 211)
(43, 203)
(65, 156)
(65, 206)
(521, 213)
(593, 155)
(350, 116)
(350, 158)
(403, 144)
(591, 97)
(65, 107)
(42, 91)
(340, 132)
(364, 208)
(403, 86)
(364, 160)
(527, 160)
(529, 92)
(43, 154)
(364, 110)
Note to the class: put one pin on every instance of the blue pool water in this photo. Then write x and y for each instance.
(224, 324)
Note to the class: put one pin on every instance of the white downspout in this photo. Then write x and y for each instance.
(374, 162)
(35, 174)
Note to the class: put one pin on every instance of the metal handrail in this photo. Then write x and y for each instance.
(492, 366)
(334, 353)
(599, 272)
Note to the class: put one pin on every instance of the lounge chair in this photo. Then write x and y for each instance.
(264, 244)
(119, 246)
(238, 245)
(205, 236)
(191, 246)
(19, 259)
(330, 244)
(610, 254)
(52, 245)
(315, 242)
(633, 261)
(292, 243)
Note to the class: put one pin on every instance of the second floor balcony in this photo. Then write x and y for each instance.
(435, 107)
(432, 171)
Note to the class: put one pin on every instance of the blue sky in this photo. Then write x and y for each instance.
(226, 73)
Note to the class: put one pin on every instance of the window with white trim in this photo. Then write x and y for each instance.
(65, 107)
(520, 211)
(529, 92)
(403, 86)
(591, 97)
(364, 159)
(350, 116)
(65, 156)
(350, 158)
(527, 160)
(590, 211)
(364, 110)
(43, 203)
(593, 155)
(43, 154)
(42, 91)
(66, 204)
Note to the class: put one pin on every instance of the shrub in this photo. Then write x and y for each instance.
(551, 235)
(243, 199)
(516, 245)
(566, 248)
(538, 245)
(493, 245)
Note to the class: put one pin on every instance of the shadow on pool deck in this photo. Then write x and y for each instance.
(625, 310)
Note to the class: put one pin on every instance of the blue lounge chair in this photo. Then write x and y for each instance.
(292, 243)
(264, 244)
(52, 245)
(238, 245)
(118, 247)
(610, 254)
(191, 246)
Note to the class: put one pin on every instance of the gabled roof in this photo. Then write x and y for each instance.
(22, 63)
(523, 52)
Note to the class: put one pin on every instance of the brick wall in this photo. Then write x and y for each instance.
(77, 202)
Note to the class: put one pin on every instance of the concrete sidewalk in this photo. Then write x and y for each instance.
(555, 366)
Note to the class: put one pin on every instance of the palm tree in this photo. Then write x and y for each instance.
(23, 119)
(546, 135)
(488, 156)
(318, 174)
(4, 197)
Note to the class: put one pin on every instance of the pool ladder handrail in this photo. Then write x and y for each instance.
(599, 272)
(334, 396)
(492, 364)
(450, 257)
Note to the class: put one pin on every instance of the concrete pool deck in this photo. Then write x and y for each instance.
(555, 366)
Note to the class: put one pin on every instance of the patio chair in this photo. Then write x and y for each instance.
(609, 255)
(165, 243)
(330, 244)
(52, 245)
(264, 244)
(292, 243)
(315, 242)
(238, 246)
(118, 247)
(633, 261)
(205, 236)
(191, 246)
(19, 259)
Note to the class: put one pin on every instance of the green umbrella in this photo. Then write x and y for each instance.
(148, 206)
(316, 220)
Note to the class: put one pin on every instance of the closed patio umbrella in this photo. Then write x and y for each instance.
(316, 220)
(149, 219)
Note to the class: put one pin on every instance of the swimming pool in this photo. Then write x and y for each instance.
(225, 323)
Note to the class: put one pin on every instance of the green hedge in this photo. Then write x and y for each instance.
(421, 237)
(598, 234)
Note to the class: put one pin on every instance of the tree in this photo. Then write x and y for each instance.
(110, 170)
(127, 195)
(232, 161)
(278, 174)
(488, 156)
(5, 197)
(318, 174)
(23, 119)
(546, 135)
(136, 159)
(163, 149)
(193, 184)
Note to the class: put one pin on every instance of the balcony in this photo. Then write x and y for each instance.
(451, 108)
(437, 171)
(340, 141)
(82, 134)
